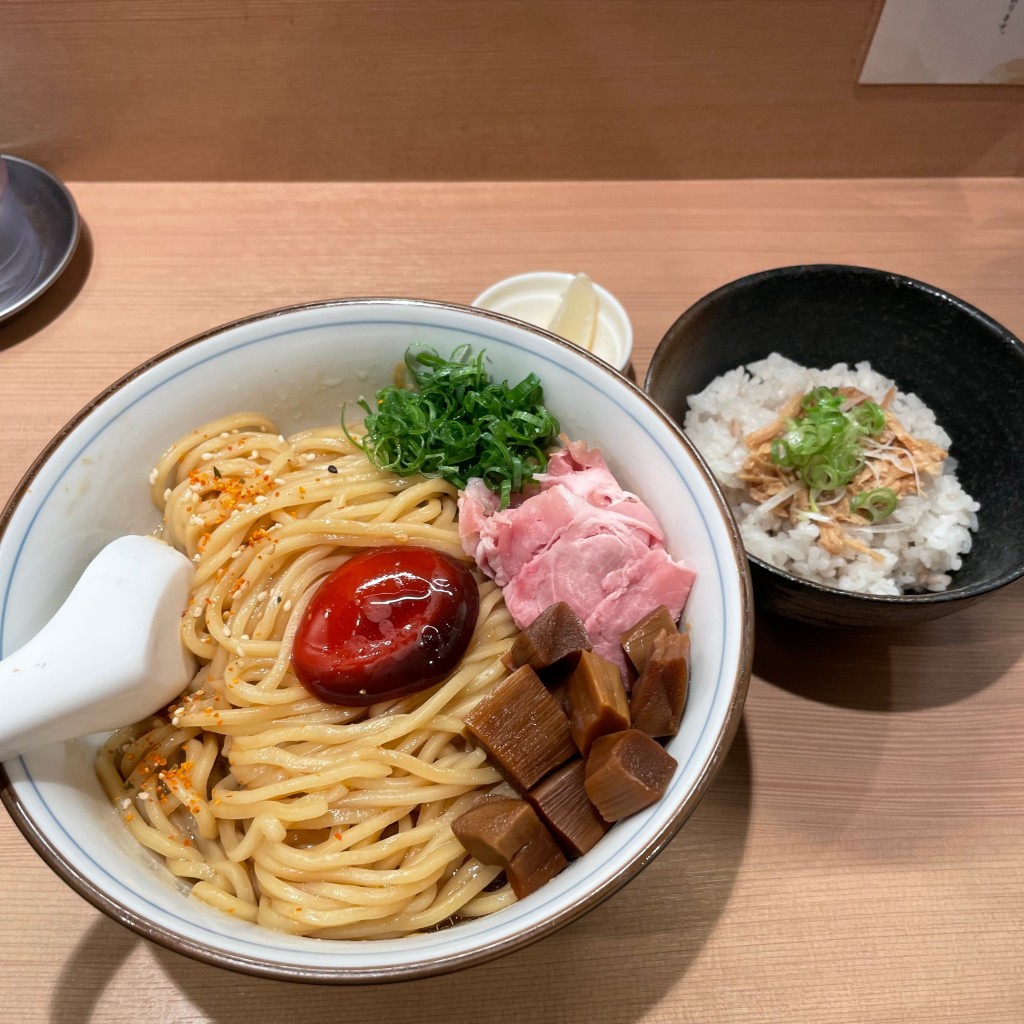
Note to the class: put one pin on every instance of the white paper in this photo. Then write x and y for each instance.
(972, 42)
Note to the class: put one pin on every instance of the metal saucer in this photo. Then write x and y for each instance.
(53, 216)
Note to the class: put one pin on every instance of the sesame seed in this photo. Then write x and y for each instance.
(279, 481)
(225, 434)
(207, 456)
(332, 469)
(196, 612)
(153, 474)
(287, 606)
(227, 631)
(197, 520)
(260, 499)
(244, 636)
(254, 454)
(236, 552)
(167, 494)
(310, 456)
(143, 796)
(261, 596)
(196, 557)
(126, 803)
(280, 438)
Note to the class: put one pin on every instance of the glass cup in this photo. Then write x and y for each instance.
(20, 251)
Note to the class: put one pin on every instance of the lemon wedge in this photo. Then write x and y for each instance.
(576, 317)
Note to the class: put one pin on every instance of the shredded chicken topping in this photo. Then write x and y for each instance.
(894, 459)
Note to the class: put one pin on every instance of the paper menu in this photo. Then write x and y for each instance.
(974, 42)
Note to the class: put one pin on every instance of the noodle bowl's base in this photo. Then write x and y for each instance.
(310, 818)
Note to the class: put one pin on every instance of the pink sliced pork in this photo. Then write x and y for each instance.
(579, 538)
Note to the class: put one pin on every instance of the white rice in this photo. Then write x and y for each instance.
(920, 543)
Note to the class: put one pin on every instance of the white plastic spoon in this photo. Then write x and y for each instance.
(110, 656)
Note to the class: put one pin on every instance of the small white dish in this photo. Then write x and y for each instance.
(536, 296)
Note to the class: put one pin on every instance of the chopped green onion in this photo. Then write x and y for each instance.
(847, 461)
(821, 475)
(806, 438)
(821, 398)
(823, 443)
(456, 424)
(869, 417)
(875, 505)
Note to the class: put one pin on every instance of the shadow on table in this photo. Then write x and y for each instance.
(55, 300)
(924, 666)
(622, 957)
(99, 955)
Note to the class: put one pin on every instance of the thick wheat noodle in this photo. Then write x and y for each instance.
(282, 810)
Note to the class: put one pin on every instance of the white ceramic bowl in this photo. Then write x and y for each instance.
(299, 365)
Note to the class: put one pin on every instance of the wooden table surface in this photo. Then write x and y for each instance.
(860, 857)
